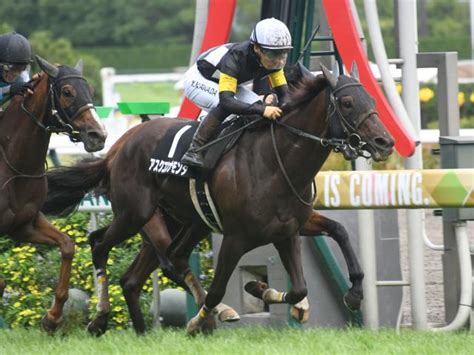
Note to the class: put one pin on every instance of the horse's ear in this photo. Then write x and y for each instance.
(355, 71)
(47, 67)
(329, 76)
(79, 66)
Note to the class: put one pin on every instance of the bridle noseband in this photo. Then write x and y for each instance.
(62, 124)
(353, 141)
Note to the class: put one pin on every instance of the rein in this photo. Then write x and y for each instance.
(18, 173)
(285, 174)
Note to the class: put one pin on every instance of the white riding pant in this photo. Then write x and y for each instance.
(205, 93)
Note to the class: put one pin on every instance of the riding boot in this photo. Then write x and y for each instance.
(206, 130)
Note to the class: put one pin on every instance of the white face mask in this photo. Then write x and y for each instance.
(10, 72)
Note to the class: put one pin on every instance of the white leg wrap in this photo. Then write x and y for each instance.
(103, 304)
(270, 295)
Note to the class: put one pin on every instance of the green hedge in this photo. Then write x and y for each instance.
(31, 273)
(151, 58)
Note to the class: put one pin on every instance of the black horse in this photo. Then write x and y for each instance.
(262, 187)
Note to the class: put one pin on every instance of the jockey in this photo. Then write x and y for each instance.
(15, 55)
(215, 82)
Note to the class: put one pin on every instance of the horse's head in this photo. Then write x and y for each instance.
(352, 117)
(72, 110)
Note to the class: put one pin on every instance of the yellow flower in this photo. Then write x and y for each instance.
(17, 305)
(26, 313)
(426, 94)
(461, 98)
(471, 98)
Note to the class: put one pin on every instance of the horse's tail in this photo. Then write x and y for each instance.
(67, 186)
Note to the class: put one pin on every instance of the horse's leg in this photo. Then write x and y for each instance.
(318, 224)
(290, 253)
(156, 232)
(133, 280)
(229, 255)
(43, 232)
(125, 224)
(188, 239)
(3, 284)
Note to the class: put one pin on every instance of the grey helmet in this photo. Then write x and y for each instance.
(272, 34)
(14, 49)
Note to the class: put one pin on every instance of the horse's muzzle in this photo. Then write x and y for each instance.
(94, 140)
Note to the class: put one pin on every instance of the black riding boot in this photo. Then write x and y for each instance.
(206, 130)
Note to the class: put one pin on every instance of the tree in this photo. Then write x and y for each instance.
(61, 51)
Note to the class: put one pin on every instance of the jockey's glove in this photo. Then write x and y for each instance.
(20, 88)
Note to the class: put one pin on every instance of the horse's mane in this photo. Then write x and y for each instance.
(305, 90)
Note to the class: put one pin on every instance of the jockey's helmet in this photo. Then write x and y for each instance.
(14, 49)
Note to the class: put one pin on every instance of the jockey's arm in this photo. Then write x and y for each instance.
(279, 84)
(228, 101)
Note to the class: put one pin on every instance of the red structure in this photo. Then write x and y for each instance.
(219, 22)
(346, 37)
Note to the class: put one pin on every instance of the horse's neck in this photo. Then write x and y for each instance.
(301, 156)
(23, 141)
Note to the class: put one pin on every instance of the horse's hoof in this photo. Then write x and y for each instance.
(228, 315)
(98, 326)
(256, 288)
(352, 301)
(198, 325)
(300, 311)
(48, 325)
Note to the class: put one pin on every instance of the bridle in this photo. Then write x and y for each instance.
(352, 142)
(62, 118)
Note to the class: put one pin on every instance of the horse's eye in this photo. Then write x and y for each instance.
(347, 103)
(68, 93)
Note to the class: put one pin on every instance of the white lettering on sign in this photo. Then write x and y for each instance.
(374, 190)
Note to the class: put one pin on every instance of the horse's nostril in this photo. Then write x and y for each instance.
(94, 136)
(384, 142)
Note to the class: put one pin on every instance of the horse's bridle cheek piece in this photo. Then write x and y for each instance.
(353, 140)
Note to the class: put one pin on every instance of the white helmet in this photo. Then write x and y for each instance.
(271, 33)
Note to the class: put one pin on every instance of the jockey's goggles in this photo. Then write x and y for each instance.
(275, 54)
(13, 68)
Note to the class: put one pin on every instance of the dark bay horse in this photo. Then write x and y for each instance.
(262, 187)
(61, 102)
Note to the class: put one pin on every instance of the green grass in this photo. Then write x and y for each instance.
(143, 92)
(239, 341)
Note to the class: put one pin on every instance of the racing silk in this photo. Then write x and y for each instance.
(5, 87)
(234, 64)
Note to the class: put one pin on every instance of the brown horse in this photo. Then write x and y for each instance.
(61, 102)
(262, 194)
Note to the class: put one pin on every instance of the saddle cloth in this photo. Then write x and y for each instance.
(166, 159)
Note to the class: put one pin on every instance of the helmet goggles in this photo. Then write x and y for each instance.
(275, 54)
(13, 68)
